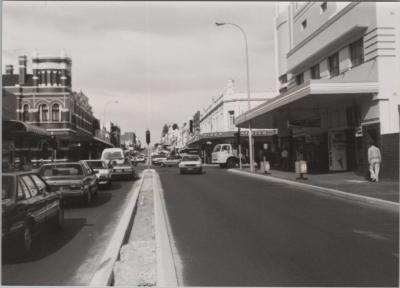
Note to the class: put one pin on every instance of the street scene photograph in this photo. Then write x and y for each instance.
(200, 143)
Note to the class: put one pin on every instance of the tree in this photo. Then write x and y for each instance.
(175, 126)
(164, 130)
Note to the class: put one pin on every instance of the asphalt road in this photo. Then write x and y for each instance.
(71, 256)
(233, 230)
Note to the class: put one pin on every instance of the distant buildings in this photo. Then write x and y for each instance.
(338, 65)
(128, 139)
(217, 122)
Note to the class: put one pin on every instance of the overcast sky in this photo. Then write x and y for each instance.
(162, 61)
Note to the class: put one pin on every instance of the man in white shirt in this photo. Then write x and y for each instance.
(374, 159)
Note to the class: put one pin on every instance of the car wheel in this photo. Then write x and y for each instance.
(87, 198)
(181, 171)
(231, 163)
(201, 171)
(27, 239)
(162, 165)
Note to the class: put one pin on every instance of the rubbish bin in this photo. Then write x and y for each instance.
(301, 168)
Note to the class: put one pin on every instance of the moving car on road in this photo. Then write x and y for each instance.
(102, 170)
(171, 161)
(140, 158)
(190, 164)
(73, 179)
(28, 205)
(157, 159)
(122, 169)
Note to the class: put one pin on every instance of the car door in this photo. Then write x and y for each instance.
(51, 198)
(90, 177)
(37, 206)
(15, 214)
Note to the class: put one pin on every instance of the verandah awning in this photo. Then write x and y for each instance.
(15, 127)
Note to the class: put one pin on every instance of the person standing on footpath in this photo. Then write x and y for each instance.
(374, 159)
(285, 158)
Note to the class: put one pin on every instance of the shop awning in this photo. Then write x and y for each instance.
(103, 142)
(316, 88)
(14, 127)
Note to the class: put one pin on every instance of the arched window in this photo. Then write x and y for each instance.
(55, 112)
(25, 115)
(44, 113)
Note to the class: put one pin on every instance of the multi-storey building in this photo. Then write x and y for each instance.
(338, 65)
(217, 121)
(128, 139)
(45, 99)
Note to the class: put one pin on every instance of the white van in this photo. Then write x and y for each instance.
(113, 155)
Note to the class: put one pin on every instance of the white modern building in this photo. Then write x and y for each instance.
(220, 115)
(217, 121)
(339, 67)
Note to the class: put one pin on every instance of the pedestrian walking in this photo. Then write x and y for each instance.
(285, 158)
(374, 159)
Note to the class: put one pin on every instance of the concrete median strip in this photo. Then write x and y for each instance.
(104, 273)
(393, 206)
(166, 270)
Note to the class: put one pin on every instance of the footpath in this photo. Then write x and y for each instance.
(347, 184)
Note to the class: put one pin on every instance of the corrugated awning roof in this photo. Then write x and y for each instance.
(15, 127)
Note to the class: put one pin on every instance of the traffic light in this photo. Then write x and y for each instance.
(147, 137)
(191, 126)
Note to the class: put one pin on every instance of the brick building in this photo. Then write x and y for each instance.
(45, 99)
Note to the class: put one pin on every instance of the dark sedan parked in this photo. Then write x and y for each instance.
(73, 179)
(28, 206)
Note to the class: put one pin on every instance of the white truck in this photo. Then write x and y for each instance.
(226, 156)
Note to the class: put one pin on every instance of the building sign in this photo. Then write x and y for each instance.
(258, 132)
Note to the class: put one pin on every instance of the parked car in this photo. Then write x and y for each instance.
(171, 161)
(190, 164)
(113, 155)
(28, 206)
(73, 179)
(157, 159)
(122, 170)
(102, 170)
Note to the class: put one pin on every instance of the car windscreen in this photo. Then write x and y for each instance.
(97, 164)
(113, 155)
(191, 158)
(61, 170)
(217, 148)
(7, 187)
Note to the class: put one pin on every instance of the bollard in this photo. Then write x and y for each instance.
(301, 168)
(266, 166)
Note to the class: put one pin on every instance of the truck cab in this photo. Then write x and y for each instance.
(225, 156)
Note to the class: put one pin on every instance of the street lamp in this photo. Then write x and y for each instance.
(105, 106)
(248, 89)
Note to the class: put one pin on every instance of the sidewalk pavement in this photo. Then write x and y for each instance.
(348, 182)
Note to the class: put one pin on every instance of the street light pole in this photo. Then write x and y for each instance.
(104, 112)
(248, 90)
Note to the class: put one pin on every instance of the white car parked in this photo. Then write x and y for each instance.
(190, 164)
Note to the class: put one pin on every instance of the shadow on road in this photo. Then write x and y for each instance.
(44, 244)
